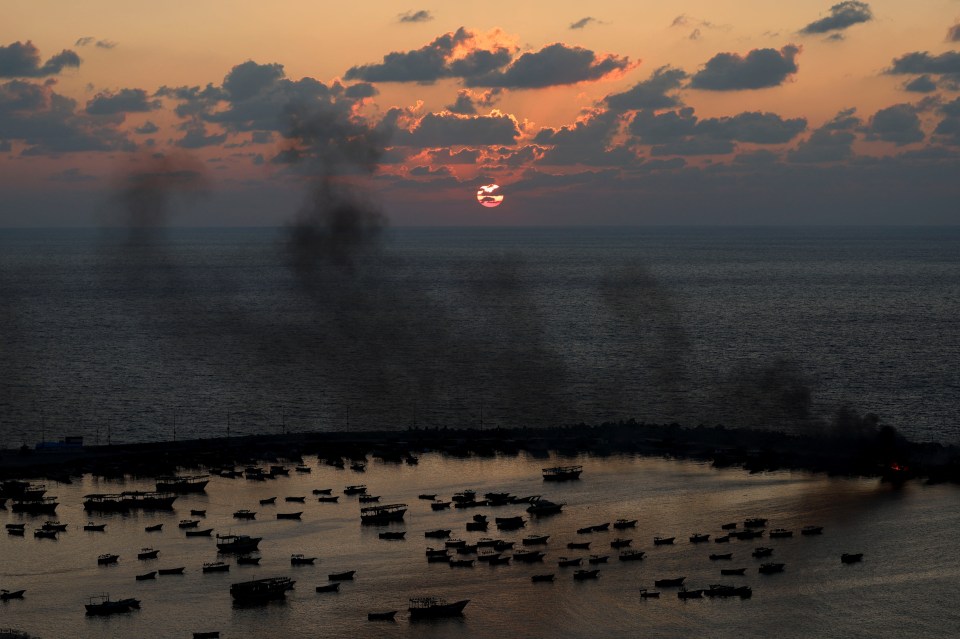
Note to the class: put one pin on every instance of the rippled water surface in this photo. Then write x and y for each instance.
(905, 587)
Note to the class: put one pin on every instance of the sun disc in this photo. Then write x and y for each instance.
(489, 195)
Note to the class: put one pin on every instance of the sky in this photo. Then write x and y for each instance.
(709, 112)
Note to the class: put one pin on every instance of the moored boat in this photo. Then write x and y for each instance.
(631, 555)
(301, 560)
(566, 562)
(244, 560)
(440, 533)
(540, 506)
(510, 523)
(171, 571)
(355, 490)
(733, 571)
(342, 576)
(244, 514)
(36, 506)
(581, 575)
(328, 499)
(670, 582)
(237, 543)
(261, 590)
(649, 594)
(811, 530)
(755, 522)
(770, 568)
(154, 528)
(663, 541)
(699, 538)
(535, 540)
(851, 558)
(149, 575)
(381, 616)
(334, 587)
(719, 556)
(182, 484)
(540, 578)
(621, 524)
(780, 533)
(6, 595)
(439, 505)
(429, 607)
(107, 558)
(147, 553)
(92, 527)
(393, 535)
(562, 473)
(103, 605)
(198, 533)
(382, 514)
(216, 566)
(295, 515)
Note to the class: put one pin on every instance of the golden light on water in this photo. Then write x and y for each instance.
(489, 195)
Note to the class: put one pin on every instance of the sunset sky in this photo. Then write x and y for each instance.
(696, 112)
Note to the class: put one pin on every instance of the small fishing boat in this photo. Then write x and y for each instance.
(359, 467)
(261, 590)
(382, 514)
(237, 543)
(198, 513)
(598, 559)
(562, 473)
(440, 533)
(717, 556)
(295, 515)
(188, 523)
(539, 578)
(358, 489)
(762, 552)
(566, 562)
(248, 561)
(103, 605)
(369, 499)
(429, 607)
(770, 568)
(328, 499)
(147, 575)
(721, 539)
(147, 553)
(170, 571)
(541, 507)
(427, 496)
(811, 530)
(631, 555)
(581, 575)
(216, 566)
(535, 540)
(92, 527)
(621, 524)
(733, 571)
(780, 533)
(334, 587)
(244, 514)
(40, 533)
(439, 505)
(510, 523)
(154, 528)
(198, 533)
(755, 522)
(268, 501)
(699, 538)
(461, 563)
(730, 526)
(689, 594)
(393, 535)
(6, 595)
(322, 491)
(342, 576)
(663, 541)
(210, 634)
(528, 556)
(296, 499)
(15, 526)
(477, 526)
(670, 582)
(55, 526)
(106, 559)
(381, 616)
(620, 543)
(851, 558)
(300, 560)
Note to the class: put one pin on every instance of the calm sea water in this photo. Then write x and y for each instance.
(197, 331)
(905, 586)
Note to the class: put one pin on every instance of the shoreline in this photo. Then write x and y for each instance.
(883, 453)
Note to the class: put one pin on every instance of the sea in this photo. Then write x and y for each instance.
(131, 336)
(198, 333)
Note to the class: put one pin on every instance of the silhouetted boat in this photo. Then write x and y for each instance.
(147, 553)
(211, 634)
(540, 506)
(663, 541)
(300, 560)
(188, 523)
(528, 556)
(261, 590)
(369, 499)
(562, 473)
(382, 514)
(268, 501)
(37, 506)
(103, 605)
(631, 555)
(322, 491)
(461, 563)
(171, 571)
(671, 582)
(440, 533)
(55, 526)
(510, 523)
(770, 568)
(185, 484)
(621, 524)
(148, 575)
(598, 559)
(427, 496)
(359, 467)
(578, 545)
(811, 530)
(6, 595)
(342, 576)
(237, 543)
(397, 535)
(106, 559)
(295, 515)
(464, 496)
(649, 594)
(15, 526)
(762, 552)
(40, 533)
(248, 561)
(328, 499)
(716, 556)
(477, 526)
(851, 558)
(780, 533)
(722, 590)
(154, 528)
(730, 526)
(689, 594)
(298, 500)
(699, 538)
(733, 571)
(538, 578)
(381, 616)
(198, 533)
(439, 505)
(747, 534)
(755, 522)
(620, 543)
(565, 562)
(355, 490)
(17, 532)
(429, 607)
(334, 587)
(244, 514)
(302, 469)
(198, 513)
(721, 539)
(535, 540)
(581, 575)
(216, 566)
(92, 527)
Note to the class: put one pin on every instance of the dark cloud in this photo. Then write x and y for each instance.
(583, 22)
(72, 175)
(693, 146)
(446, 156)
(948, 129)
(918, 62)
(759, 69)
(921, 84)
(951, 108)
(426, 171)
(447, 129)
(898, 124)
(681, 133)
(415, 16)
(832, 142)
(22, 60)
(147, 128)
(434, 61)
(106, 44)
(261, 137)
(82, 42)
(5, 146)
(662, 128)
(651, 93)
(196, 136)
(953, 33)
(754, 127)
(248, 79)
(524, 156)
(588, 142)
(843, 15)
(360, 91)
(49, 123)
(123, 101)
(553, 65)
(467, 101)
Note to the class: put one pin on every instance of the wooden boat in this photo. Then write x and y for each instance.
(6, 595)
(621, 524)
(461, 563)
(430, 607)
(248, 561)
(303, 469)
(851, 558)
(55, 526)
(499, 561)
(17, 532)
(106, 559)
(721, 539)
(237, 543)
(733, 571)
(211, 634)
(92, 527)
(198, 513)
(322, 491)
(689, 594)
(359, 467)
(539, 578)
(780, 533)
(510, 523)
(198, 533)
(565, 562)
(699, 538)
(328, 499)
(382, 514)
(487, 556)
(649, 594)
(355, 490)
(300, 560)
(146, 500)
(393, 535)
(730, 526)
(439, 505)
(528, 556)
(147, 553)
(103, 605)
(631, 555)
(268, 501)
(562, 473)
(440, 533)
(620, 543)
(15, 526)
(581, 575)
(183, 484)
(244, 514)
(716, 556)
(535, 540)
(295, 499)
(170, 571)
(540, 507)
(427, 496)
(381, 616)
(188, 523)
(755, 522)
(770, 568)
(811, 530)
(147, 575)
(261, 590)
(334, 587)
(464, 496)
(40, 533)
(216, 566)
(762, 552)
(578, 545)
(342, 576)
(670, 582)
(747, 534)
(598, 559)
(369, 499)
(477, 526)
(295, 515)
(154, 528)
(723, 590)
(36, 506)
(663, 541)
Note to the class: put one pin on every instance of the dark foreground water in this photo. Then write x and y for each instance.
(905, 586)
(194, 332)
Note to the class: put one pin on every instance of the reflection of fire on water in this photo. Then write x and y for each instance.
(488, 195)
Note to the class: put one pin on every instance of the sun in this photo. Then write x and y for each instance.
(489, 195)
